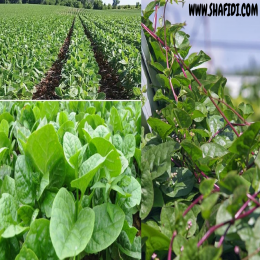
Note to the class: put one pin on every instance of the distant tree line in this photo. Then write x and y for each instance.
(88, 4)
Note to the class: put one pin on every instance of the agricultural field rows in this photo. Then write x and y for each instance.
(127, 28)
(70, 180)
(41, 56)
(29, 44)
(125, 58)
(80, 78)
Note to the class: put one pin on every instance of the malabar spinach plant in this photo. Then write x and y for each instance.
(70, 180)
(201, 163)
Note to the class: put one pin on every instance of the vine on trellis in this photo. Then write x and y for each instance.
(201, 164)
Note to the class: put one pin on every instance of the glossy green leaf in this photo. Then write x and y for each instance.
(69, 233)
(25, 187)
(25, 254)
(106, 230)
(39, 241)
(243, 144)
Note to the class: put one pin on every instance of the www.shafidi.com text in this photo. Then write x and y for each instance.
(227, 9)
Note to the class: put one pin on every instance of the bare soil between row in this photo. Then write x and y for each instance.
(45, 90)
(110, 82)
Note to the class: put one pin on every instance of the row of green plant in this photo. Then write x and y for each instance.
(201, 163)
(80, 78)
(123, 57)
(69, 180)
(126, 29)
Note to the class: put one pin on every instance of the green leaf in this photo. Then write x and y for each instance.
(195, 59)
(206, 186)
(45, 151)
(183, 119)
(194, 152)
(160, 127)
(130, 231)
(246, 109)
(26, 254)
(4, 127)
(25, 186)
(105, 231)
(210, 252)
(147, 191)
(156, 241)
(115, 120)
(213, 150)
(14, 230)
(243, 144)
(129, 146)
(9, 248)
(8, 186)
(39, 241)
(87, 172)
(25, 214)
(181, 184)
(46, 205)
(8, 208)
(132, 249)
(167, 220)
(49, 110)
(69, 233)
(134, 188)
(159, 158)
(71, 145)
(207, 205)
(106, 149)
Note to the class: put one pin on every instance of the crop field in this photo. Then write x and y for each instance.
(56, 52)
(70, 180)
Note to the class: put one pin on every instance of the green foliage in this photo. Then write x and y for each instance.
(119, 39)
(68, 188)
(200, 165)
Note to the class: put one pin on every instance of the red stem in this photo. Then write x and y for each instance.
(155, 18)
(166, 48)
(238, 215)
(219, 110)
(233, 110)
(183, 71)
(222, 129)
(221, 240)
(192, 205)
(253, 199)
(205, 176)
(245, 205)
(170, 248)
(153, 34)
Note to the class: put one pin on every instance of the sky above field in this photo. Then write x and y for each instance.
(218, 30)
(122, 2)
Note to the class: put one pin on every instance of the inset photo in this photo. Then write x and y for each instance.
(201, 120)
(70, 180)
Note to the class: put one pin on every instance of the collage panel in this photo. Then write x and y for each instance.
(200, 117)
(70, 180)
(59, 52)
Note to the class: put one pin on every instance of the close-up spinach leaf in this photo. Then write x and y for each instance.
(70, 180)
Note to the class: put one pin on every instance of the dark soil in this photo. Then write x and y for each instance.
(137, 223)
(45, 90)
(110, 82)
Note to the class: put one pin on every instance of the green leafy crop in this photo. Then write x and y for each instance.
(200, 165)
(70, 180)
